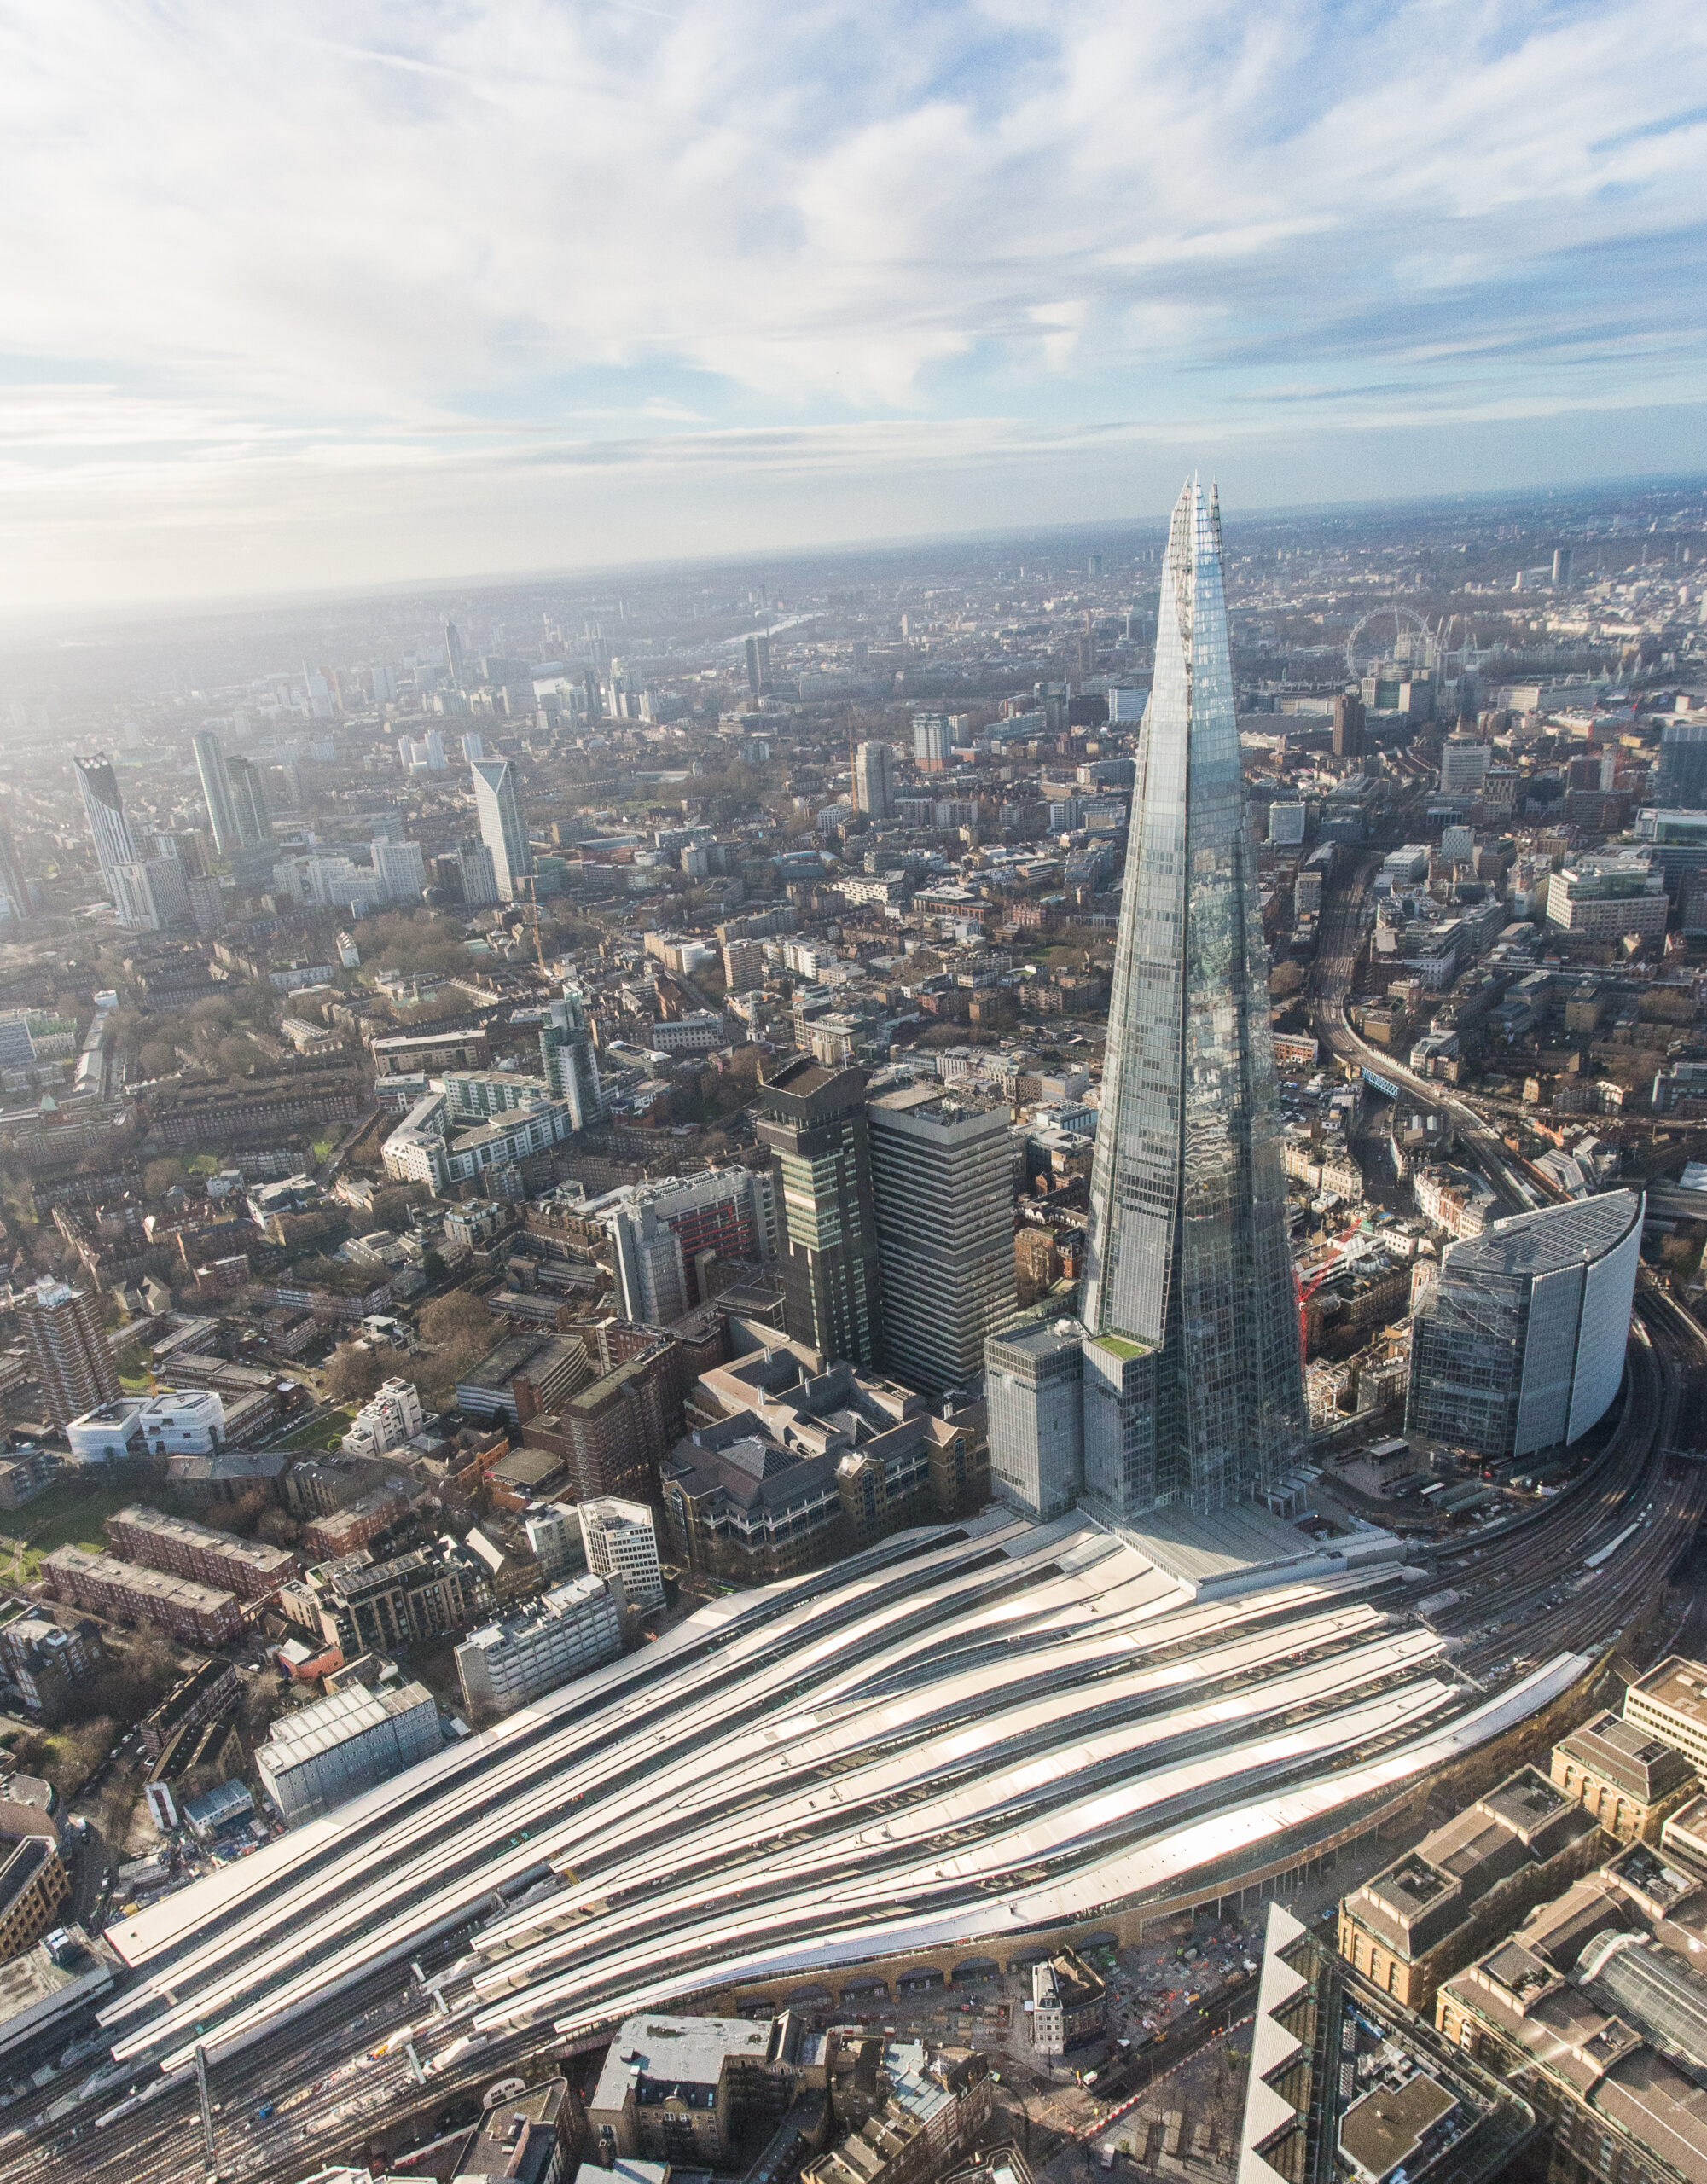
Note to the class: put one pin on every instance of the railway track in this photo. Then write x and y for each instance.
(1533, 1580)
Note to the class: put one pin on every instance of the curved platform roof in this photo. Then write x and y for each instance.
(968, 1733)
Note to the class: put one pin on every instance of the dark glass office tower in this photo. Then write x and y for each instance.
(813, 1119)
(1194, 1389)
(1681, 781)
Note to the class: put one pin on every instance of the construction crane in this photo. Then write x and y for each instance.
(528, 907)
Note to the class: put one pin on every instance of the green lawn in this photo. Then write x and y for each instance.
(324, 1433)
(70, 1514)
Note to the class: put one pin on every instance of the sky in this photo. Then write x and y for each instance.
(307, 295)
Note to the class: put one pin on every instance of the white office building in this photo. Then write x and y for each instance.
(574, 1628)
(621, 1543)
(399, 869)
(932, 740)
(478, 874)
(150, 894)
(173, 1422)
(332, 1750)
(874, 780)
(1604, 894)
(1463, 766)
(392, 1416)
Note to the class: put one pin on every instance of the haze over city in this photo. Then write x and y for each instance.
(301, 298)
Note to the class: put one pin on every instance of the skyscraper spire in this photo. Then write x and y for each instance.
(1193, 1392)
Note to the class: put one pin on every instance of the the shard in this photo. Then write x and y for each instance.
(1193, 1394)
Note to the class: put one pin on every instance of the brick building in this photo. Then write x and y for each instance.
(612, 1436)
(125, 1592)
(259, 1111)
(249, 1568)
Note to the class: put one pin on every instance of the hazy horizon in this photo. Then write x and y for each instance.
(453, 294)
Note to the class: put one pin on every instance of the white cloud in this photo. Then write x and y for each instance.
(277, 248)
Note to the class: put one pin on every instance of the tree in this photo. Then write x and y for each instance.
(161, 1175)
(459, 1317)
(236, 1057)
(391, 1208)
(353, 1374)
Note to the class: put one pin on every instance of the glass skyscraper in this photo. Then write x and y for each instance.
(104, 808)
(215, 789)
(1681, 781)
(1193, 1388)
(1192, 1385)
(498, 800)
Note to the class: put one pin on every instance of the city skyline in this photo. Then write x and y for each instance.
(1011, 271)
(1282, 950)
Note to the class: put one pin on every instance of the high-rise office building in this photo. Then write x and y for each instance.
(249, 802)
(620, 1539)
(743, 966)
(400, 870)
(1463, 766)
(874, 780)
(568, 1061)
(151, 894)
(1682, 776)
(104, 808)
(663, 1236)
(1562, 568)
(503, 829)
(759, 665)
(14, 889)
(453, 653)
(69, 1350)
(1034, 1384)
(942, 1171)
(1348, 725)
(1519, 1344)
(469, 875)
(814, 1120)
(1194, 1389)
(216, 790)
(932, 740)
